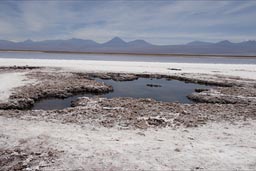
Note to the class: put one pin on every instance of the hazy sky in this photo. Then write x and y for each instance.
(160, 22)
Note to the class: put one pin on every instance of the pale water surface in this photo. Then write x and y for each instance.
(139, 58)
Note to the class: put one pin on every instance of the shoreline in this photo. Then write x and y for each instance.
(235, 70)
(137, 54)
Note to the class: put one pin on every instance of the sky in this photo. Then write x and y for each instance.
(158, 22)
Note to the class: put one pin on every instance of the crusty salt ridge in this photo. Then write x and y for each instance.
(239, 70)
(216, 146)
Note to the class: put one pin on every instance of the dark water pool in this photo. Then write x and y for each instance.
(158, 89)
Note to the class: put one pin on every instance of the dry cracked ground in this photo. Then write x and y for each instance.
(216, 133)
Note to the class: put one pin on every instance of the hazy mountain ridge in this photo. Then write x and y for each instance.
(117, 45)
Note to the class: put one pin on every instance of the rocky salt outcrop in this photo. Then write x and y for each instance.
(129, 113)
(114, 76)
(52, 84)
(239, 95)
(21, 68)
(23, 158)
(153, 85)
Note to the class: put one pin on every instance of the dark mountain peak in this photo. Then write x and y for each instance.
(28, 41)
(117, 45)
(6, 41)
(250, 42)
(139, 42)
(73, 38)
(199, 43)
(224, 42)
(76, 40)
(116, 41)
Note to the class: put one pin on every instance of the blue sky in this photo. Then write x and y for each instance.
(159, 22)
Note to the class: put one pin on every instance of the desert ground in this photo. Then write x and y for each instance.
(215, 133)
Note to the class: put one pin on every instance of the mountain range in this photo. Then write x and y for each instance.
(117, 45)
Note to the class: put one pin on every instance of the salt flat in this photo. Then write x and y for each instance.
(58, 143)
(237, 70)
(8, 81)
(216, 146)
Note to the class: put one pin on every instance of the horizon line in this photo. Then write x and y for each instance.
(225, 40)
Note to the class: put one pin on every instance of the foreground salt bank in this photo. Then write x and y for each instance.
(231, 100)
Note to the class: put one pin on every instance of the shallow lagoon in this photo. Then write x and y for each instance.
(158, 89)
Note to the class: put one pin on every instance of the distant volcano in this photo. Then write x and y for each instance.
(117, 45)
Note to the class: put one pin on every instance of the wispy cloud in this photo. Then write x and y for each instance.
(245, 6)
(163, 22)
